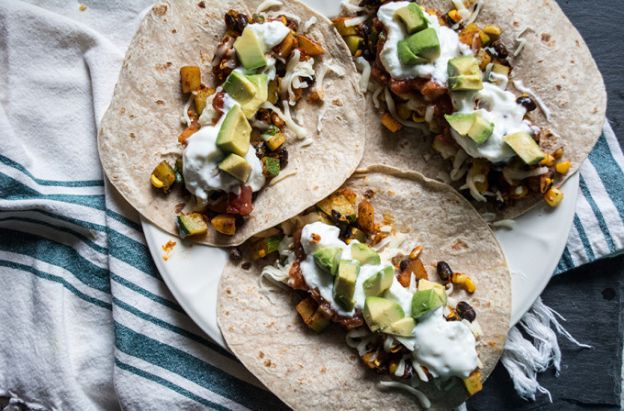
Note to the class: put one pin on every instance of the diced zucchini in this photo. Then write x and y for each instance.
(224, 224)
(339, 205)
(354, 43)
(271, 166)
(274, 138)
(192, 224)
(163, 176)
(357, 234)
(200, 97)
(265, 246)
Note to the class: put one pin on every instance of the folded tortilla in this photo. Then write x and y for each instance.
(319, 371)
(141, 125)
(555, 63)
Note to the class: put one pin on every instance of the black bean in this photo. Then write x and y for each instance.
(246, 265)
(465, 311)
(501, 50)
(526, 102)
(280, 68)
(444, 271)
(403, 265)
(282, 154)
(370, 3)
(235, 254)
(236, 21)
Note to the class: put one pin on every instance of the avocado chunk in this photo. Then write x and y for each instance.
(407, 57)
(379, 283)
(261, 83)
(239, 87)
(191, 224)
(236, 166)
(402, 328)
(425, 301)
(250, 50)
(525, 147)
(380, 313)
(425, 44)
(463, 66)
(481, 130)
(461, 122)
(265, 246)
(235, 132)
(344, 284)
(328, 259)
(466, 82)
(354, 43)
(364, 254)
(430, 285)
(412, 17)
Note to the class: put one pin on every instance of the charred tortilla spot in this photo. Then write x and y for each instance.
(261, 355)
(459, 245)
(201, 5)
(132, 135)
(160, 102)
(174, 31)
(546, 37)
(160, 9)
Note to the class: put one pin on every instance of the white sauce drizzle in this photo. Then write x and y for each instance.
(522, 88)
(270, 33)
(424, 401)
(267, 4)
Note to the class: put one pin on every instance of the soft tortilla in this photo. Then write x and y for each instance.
(310, 371)
(142, 123)
(555, 63)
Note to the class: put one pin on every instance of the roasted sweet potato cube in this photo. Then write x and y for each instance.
(187, 132)
(309, 46)
(366, 217)
(190, 78)
(286, 46)
(224, 223)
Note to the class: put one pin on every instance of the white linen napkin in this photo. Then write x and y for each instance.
(87, 323)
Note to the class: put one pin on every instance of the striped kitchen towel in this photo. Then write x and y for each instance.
(87, 322)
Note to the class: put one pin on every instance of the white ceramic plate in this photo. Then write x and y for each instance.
(533, 248)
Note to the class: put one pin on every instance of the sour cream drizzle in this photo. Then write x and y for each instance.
(270, 33)
(201, 159)
(450, 46)
(446, 348)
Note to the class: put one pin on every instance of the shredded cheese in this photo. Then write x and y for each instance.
(424, 401)
(267, 4)
(350, 7)
(507, 223)
(354, 21)
(282, 176)
(299, 131)
(307, 24)
(522, 88)
(392, 110)
(185, 119)
(325, 68)
(295, 69)
(474, 191)
(458, 161)
(364, 68)
(477, 9)
(512, 175)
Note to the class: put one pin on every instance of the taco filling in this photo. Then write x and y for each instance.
(406, 320)
(441, 73)
(238, 121)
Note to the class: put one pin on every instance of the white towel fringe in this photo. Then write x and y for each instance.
(16, 403)
(524, 358)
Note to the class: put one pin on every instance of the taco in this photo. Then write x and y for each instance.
(501, 99)
(394, 293)
(227, 120)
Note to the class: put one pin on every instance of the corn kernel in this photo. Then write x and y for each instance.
(156, 182)
(464, 281)
(563, 167)
(454, 15)
(416, 252)
(393, 367)
(558, 153)
(548, 161)
(485, 39)
(417, 119)
(553, 197)
(545, 183)
(493, 31)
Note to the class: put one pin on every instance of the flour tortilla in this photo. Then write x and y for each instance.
(141, 125)
(311, 371)
(555, 63)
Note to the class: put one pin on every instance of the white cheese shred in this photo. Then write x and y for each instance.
(185, 119)
(522, 88)
(424, 401)
(308, 23)
(282, 176)
(295, 69)
(392, 109)
(299, 131)
(354, 21)
(350, 7)
(507, 223)
(471, 182)
(364, 67)
(267, 4)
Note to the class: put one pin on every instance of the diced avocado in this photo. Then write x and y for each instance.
(525, 147)
(236, 166)
(328, 259)
(407, 57)
(473, 383)
(357, 234)
(235, 132)
(354, 43)
(271, 166)
(191, 224)
(239, 87)
(425, 44)
(250, 50)
(364, 254)
(261, 82)
(379, 283)
(340, 206)
(380, 313)
(461, 122)
(481, 130)
(412, 17)
(463, 66)
(402, 328)
(344, 284)
(424, 302)
(463, 83)
(430, 285)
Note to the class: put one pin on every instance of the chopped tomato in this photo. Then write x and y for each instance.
(399, 87)
(241, 203)
(217, 104)
(432, 90)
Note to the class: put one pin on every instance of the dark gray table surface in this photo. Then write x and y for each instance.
(590, 297)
